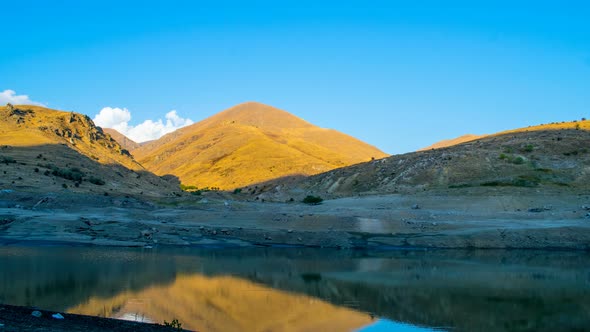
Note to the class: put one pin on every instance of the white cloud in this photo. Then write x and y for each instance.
(148, 130)
(10, 96)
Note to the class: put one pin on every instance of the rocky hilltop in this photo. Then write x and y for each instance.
(49, 150)
(251, 143)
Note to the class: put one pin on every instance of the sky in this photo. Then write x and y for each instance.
(399, 75)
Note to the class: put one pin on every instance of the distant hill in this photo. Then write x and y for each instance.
(454, 141)
(48, 150)
(124, 141)
(248, 144)
(471, 137)
(553, 155)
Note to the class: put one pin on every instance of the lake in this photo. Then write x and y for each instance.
(294, 289)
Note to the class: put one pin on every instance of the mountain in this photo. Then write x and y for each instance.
(547, 156)
(454, 141)
(125, 142)
(47, 150)
(251, 143)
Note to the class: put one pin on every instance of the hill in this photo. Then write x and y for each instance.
(125, 142)
(553, 155)
(48, 150)
(251, 143)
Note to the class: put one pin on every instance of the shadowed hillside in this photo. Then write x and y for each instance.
(48, 150)
(535, 157)
(251, 143)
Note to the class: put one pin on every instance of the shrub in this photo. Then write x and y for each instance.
(7, 160)
(237, 190)
(96, 181)
(175, 324)
(73, 174)
(312, 200)
(528, 148)
(187, 188)
(518, 161)
(460, 185)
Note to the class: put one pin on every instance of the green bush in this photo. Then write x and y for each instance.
(7, 160)
(96, 181)
(312, 200)
(175, 324)
(518, 161)
(187, 188)
(73, 174)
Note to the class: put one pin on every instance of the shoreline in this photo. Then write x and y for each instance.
(385, 222)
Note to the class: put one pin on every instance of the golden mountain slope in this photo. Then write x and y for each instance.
(226, 303)
(251, 143)
(553, 155)
(48, 150)
(125, 142)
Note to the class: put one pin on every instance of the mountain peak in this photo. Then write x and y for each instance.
(260, 115)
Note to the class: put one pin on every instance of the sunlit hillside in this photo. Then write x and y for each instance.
(251, 143)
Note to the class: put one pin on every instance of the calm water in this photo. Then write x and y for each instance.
(264, 289)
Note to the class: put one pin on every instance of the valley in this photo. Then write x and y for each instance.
(68, 181)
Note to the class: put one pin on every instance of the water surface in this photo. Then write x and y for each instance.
(287, 289)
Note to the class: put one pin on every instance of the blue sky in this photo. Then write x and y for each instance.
(397, 74)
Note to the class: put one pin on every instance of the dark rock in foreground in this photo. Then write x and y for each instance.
(20, 319)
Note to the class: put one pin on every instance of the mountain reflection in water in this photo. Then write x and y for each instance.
(266, 289)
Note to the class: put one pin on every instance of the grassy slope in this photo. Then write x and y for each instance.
(248, 144)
